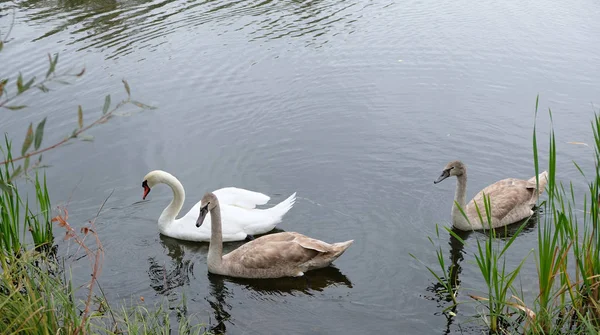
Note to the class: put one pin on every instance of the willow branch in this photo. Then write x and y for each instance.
(100, 120)
(41, 85)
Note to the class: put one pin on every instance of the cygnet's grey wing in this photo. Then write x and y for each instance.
(275, 250)
(504, 196)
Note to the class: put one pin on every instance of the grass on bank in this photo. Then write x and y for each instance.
(37, 293)
(37, 296)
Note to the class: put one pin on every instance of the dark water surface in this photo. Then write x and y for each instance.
(355, 105)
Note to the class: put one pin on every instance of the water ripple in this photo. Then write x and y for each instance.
(120, 27)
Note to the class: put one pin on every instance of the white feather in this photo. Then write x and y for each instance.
(238, 212)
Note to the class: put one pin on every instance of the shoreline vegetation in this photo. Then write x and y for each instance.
(37, 293)
(567, 260)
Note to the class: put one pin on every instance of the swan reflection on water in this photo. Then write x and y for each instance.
(166, 278)
(220, 291)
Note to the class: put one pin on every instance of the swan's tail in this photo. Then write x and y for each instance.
(279, 210)
(543, 178)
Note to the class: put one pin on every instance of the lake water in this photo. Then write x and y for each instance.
(355, 105)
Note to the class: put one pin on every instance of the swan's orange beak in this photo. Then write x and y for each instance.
(146, 189)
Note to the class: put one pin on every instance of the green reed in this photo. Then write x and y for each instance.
(33, 300)
(444, 279)
(38, 297)
(17, 217)
(584, 288)
(552, 246)
(567, 257)
(491, 261)
(40, 225)
(568, 302)
(138, 319)
(10, 209)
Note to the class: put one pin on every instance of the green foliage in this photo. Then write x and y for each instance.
(36, 300)
(444, 278)
(16, 216)
(35, 295)
(551, 248)
(40, 225)
(33, 300)
(15, 212)
(568, 302)
(138, 319)
(567, 259)
(491, 260)
(32, 144)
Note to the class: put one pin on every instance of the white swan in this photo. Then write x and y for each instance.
(511, 200)
(241, 219)
(285, 254)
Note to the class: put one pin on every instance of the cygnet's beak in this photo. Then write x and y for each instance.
(203, 212)
(445, 174)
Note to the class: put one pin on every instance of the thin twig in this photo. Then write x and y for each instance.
(97, 261)
(97, 266)
(104, 203)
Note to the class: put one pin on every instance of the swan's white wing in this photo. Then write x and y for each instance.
(185, 229)
(235, 220)
(240, 219)
(240, 197)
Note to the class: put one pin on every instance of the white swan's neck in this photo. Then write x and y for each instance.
(460, 197)
(215, 249)
(170, 213)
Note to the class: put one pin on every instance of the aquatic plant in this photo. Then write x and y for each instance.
(492, 266)
(37, 296)
(32, 143)
(567, 259)
(17, 216)
(138, 319)
(445, 278)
